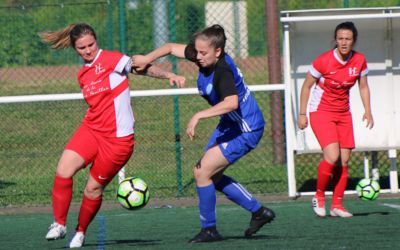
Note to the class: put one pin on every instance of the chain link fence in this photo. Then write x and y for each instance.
(32, 135)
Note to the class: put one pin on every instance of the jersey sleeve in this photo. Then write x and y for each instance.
(190, 52)
(123, 64)
(128, 66)
(364, 68)
(224, 82)
(317, 67)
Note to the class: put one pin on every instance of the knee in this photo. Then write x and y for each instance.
(333, 159)
(64, 172)
(93, 192)
(200, 175)
(66, 169)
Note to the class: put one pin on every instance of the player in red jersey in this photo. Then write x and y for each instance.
(334, 73)
(105, 137)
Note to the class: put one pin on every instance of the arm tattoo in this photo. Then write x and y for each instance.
(154, 71)
(150, 70)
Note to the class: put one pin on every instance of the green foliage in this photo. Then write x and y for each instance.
(139, 29)
(17, 28)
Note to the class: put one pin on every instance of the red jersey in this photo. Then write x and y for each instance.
(334, 80)
(105, 89)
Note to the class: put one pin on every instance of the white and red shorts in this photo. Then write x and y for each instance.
(106, 154)
(331, 127)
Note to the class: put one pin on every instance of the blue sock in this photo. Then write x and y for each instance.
(207, 204)
(238, 194)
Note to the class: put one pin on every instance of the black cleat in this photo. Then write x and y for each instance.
(259, 219)
(209, 234)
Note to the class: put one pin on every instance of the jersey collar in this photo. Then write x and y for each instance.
(339, 59)
(97, 56)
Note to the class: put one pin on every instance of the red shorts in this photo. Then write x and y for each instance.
(331, 127)
(107, 154)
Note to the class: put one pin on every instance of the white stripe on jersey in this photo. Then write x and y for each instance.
(364, 72)
(120, 68)
(316, 98)
(315, 73)
(116, 79)
(243, 124)
(123, 114)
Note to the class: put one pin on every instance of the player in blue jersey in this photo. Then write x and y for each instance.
(240, 129)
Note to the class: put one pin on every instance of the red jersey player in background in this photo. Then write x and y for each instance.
(334, 73)
(105, 137)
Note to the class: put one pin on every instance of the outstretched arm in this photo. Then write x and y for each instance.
(156, 72)
(140, 62)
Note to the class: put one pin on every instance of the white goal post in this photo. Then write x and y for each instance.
(307, 34)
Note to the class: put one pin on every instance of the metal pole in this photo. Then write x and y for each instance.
(292, 190)
(173, 60)
(236, 26)
(160, 24)
(393, 176)
(109, 26)
(122, 26)
(274, 70)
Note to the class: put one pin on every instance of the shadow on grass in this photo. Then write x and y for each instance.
(4, 184)
(255, 237)
(121, 243)
(371, 213)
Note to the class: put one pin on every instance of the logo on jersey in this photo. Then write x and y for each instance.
(353, 71)
(99, 69)
(209, 88)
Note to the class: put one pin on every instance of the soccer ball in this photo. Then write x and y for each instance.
(133, 193)
(368, 189)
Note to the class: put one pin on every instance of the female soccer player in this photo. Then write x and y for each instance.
(105, 137)
(335, 72)
(240, 128)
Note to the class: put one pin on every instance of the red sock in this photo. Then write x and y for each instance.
(88, 211)
(324, 176)
(340, 176)
(61, 196)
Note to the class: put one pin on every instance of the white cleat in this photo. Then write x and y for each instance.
(340, 212)
(56, 231)
(77, 240)
(318, 205)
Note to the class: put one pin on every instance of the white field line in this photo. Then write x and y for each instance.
(391, 205)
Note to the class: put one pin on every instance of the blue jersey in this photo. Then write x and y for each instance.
(248, 116)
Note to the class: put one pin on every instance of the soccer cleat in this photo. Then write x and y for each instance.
(56, 231)
(258, 219)
(340, 212)
(209, 234)
(318, 204)
(77, 240)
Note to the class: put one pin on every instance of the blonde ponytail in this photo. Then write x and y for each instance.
(59, 39)
(67, 37)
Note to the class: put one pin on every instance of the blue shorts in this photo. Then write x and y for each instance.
(233, 142)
